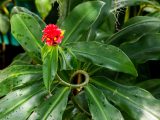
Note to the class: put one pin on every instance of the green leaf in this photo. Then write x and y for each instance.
(67, 59)
(28, 32)
(4, 24)
(19, 104)
(78, 21)
(149, 84)
(123, 3)
(80, 102)
(52, 108)
(44, 7)
(50, 64)
(17, 9)
(99, 107)
(22, 59)
(146, 48)
(152, 86)
(18, 75)
(65, 7)
(103, 55)
(136, 102)
(135, 30)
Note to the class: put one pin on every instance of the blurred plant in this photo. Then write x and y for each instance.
(80, 76)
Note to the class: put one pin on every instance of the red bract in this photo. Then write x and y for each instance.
(52, 35)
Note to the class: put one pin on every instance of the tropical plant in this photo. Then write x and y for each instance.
(88, 74)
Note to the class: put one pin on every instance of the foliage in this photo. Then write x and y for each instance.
(93, 73)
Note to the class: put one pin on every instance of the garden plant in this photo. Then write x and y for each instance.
(89, 65)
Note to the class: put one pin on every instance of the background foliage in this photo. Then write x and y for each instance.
(108, 42)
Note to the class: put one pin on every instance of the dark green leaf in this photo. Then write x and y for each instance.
(53, 108)
(136, 102)
(123, 3)
(65, 7)
(81, 102)
(18, 75)
(78, 21)
(104, 55)
(152, 86)
(17, 9)
(19, 104)
(99, 107)
(146, 48)
(50, 64)
(22, 59)
(135, 30)
(28, 32)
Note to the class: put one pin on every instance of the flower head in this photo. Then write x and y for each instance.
(52, 35)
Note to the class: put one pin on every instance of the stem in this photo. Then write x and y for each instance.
(127, 14)
(76, 85)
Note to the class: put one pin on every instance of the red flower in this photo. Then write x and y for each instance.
(52, 35)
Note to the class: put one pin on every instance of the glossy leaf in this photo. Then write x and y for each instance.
(146, 48)
(136, 102)
(4, 24)
(123, 3)
(17, 9)
(28, 32)
(50, 64)
(65, 7)
(152, 86)
(135, 30)
(67, 59)
(22, 59)
(18, 75)
(78, 21)
(103, 55)
(99, 107)
(53, 108)
(44, 7)
(19, 104)
(80, 102)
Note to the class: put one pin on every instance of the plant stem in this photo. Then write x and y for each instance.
(75, 85)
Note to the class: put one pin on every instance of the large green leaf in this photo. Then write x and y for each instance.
(65, 7)
(117, 4)
(18, 75)
(152, 86)
(78, 21)
(21, 59)
(136, 102)
(53, 108)
(146, 48)
(103, 55)
(28, 32)
(19, 104)
(50, 64)
(135, 30)
(17, 9)
(99, 107)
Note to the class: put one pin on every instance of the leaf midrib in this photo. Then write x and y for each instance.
(46, 114)
(21, 102)
(18, 74)
(141, 107)
(119, 34)
(80, 21)
(98, 104)
(29, 31)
